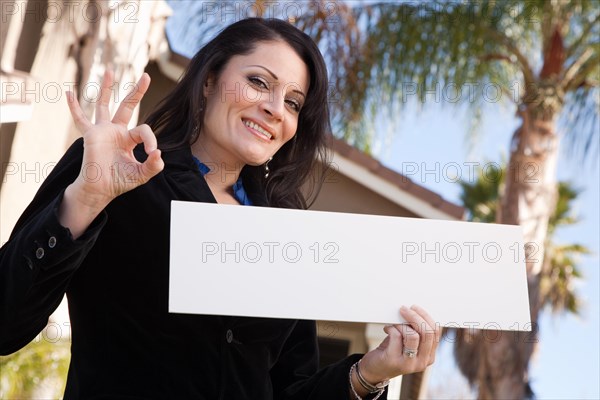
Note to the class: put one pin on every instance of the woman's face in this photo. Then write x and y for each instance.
(253, 108)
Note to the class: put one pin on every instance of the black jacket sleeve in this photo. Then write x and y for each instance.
(40, 258)
(295, 376)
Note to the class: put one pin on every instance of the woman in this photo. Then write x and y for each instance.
(245, 125)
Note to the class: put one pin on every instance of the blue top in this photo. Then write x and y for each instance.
(238, 188)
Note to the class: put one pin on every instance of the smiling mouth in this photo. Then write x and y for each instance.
(257, 128)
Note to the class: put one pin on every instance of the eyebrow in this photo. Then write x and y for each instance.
(276, 78)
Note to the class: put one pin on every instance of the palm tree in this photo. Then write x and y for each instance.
(540, 56)
(559, 271)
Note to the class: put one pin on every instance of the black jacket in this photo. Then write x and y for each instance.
(125, 343)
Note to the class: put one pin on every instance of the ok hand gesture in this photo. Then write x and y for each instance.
(109, 167)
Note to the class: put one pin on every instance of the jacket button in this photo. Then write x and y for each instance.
(52, 242)
(229, 336)
(39, 253)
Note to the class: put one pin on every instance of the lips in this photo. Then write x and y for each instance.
(260, 130)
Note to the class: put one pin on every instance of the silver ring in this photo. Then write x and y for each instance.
(410, 353)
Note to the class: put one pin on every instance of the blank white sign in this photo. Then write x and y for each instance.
(268, 262)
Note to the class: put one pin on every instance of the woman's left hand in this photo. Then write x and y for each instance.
(420, 335)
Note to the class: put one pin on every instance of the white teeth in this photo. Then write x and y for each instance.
(257, 128)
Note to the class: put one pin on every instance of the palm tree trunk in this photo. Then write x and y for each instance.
(529, 199)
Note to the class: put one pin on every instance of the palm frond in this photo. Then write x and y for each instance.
(384, 55)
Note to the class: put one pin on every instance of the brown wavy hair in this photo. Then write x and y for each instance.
(300, 165)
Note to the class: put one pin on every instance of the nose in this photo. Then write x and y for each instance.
(274, 107)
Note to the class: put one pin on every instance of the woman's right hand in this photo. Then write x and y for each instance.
(109, 166)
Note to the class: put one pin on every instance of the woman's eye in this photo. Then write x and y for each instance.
(294, 104)
(258, 82)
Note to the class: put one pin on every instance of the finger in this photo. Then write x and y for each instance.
(125, 111)
(426, 337)
(417, 321)
(102, 110)
(79, 118)
(410, 337)
(437, 331)
(395, 340)
(426, 332)
(153, 165)
(425, 315)
(144, 134)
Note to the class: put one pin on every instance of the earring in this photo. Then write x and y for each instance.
(195, 130)
(267, 170)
